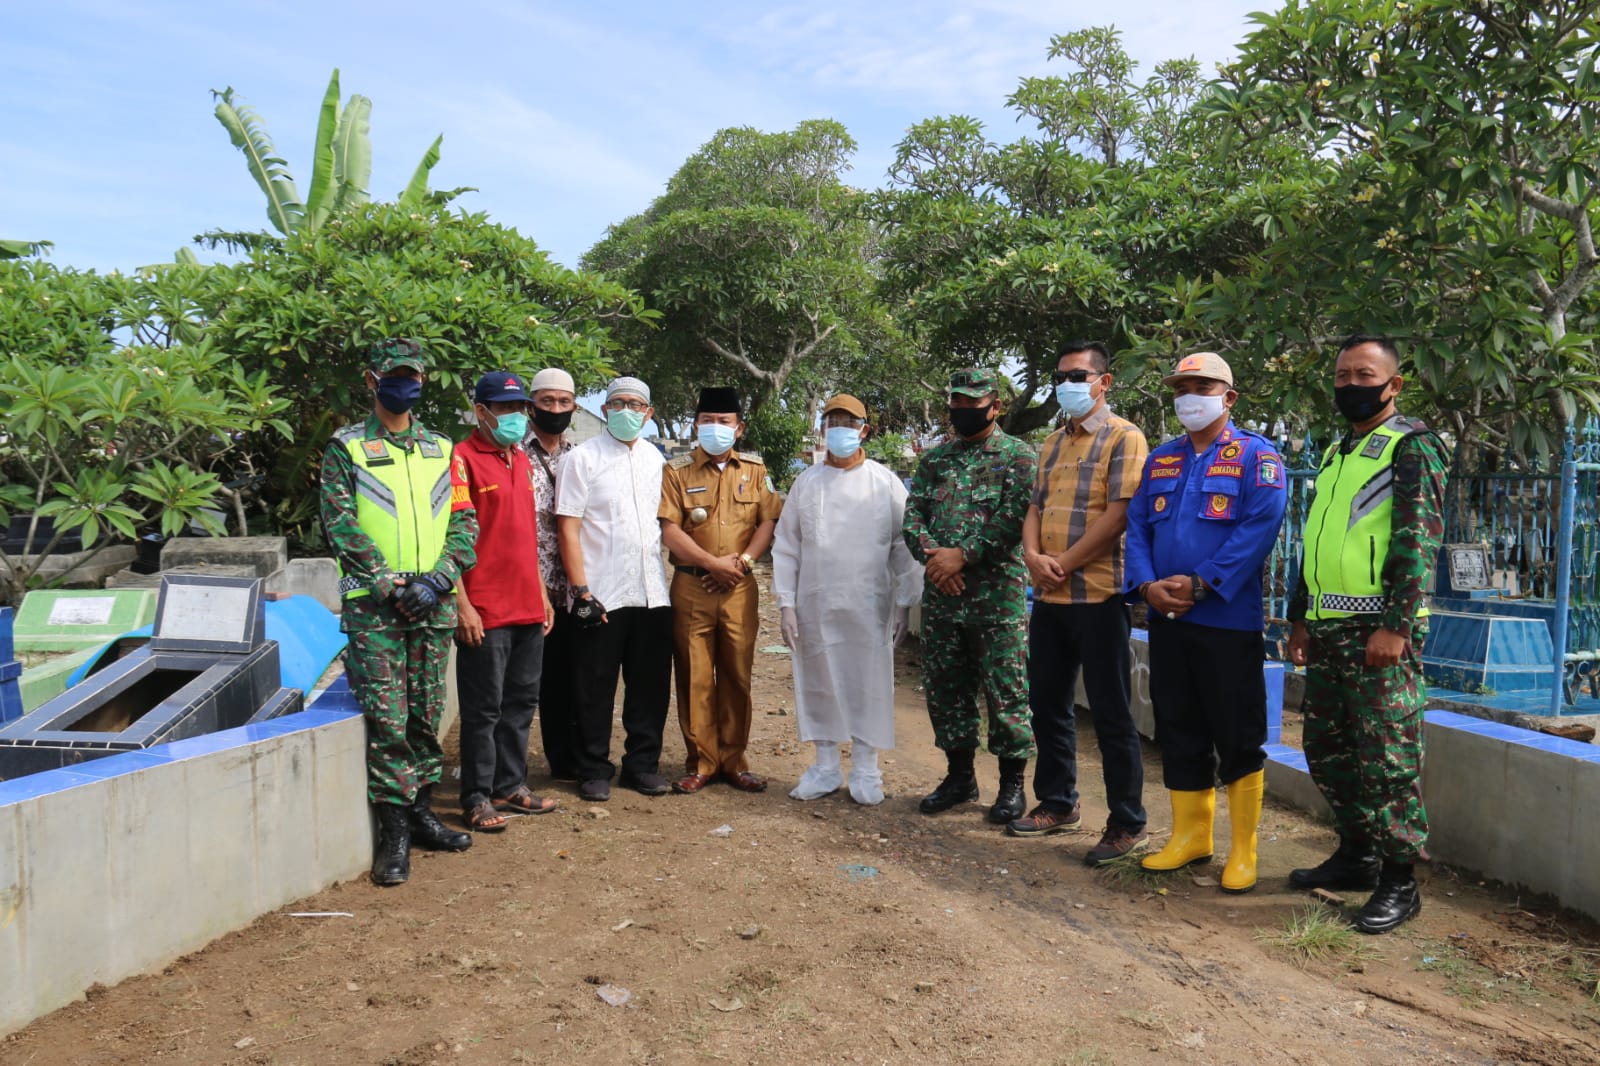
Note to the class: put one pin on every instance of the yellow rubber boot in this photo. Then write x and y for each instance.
(1244, 814)
(1192, 814)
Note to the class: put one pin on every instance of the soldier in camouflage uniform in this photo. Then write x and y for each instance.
(387, 514)
(963, 522)
(1360, 616)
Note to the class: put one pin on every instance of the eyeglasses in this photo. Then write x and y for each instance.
(627, 405)
(842, 421)
(1076, 376)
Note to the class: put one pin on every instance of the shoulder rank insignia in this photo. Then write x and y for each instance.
(429, 447)
(748, 457)
(681, 461)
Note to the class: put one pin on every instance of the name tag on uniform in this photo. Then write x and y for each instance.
(1225, 470)
(697, 488)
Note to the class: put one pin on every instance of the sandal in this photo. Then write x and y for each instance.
(483, 818)
(523, 801)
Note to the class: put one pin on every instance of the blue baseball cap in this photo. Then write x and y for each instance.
(500, 386)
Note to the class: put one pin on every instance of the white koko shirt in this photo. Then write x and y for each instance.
(616, 490)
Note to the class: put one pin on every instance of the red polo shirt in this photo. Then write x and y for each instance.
(504, 585)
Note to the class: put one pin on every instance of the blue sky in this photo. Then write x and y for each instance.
(568, 117)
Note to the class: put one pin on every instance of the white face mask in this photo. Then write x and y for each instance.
(1198, 412)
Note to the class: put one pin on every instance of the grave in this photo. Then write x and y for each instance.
(209, 666)
(74, 619)
(10, 671)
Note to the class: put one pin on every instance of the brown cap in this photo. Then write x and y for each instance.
(847, 403)
(1201, 365)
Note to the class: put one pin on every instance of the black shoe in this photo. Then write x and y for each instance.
(426, 829)
(645, 784)
(1351, 866)
(1011, 802)
(596, 791)
(1396, 901)
(953, 791)
(391, 857)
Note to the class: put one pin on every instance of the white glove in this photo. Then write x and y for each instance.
(789, 627)
(902, 625)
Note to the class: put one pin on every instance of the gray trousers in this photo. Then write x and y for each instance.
(498, 683)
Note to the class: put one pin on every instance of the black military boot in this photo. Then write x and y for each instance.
(1352, 865)
(391, 858)
(960, 784)
(1009, 805)
(1397, 900)
(428, 831)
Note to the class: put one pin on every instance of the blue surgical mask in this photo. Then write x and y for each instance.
(1076, 398)
(842, 441)
(716, 439)
(399, 395)
(625, 425)
(509, 429)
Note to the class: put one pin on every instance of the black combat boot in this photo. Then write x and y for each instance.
(428, 831)
(391, 859)
(960, 784)
(1397, 900)
(1009, 805)
(1352, 865)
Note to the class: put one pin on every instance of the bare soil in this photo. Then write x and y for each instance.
(832, 932)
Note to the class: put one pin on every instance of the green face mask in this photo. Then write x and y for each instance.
(625, 425)
(509, 429)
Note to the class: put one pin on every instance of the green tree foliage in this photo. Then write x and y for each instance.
(1453, 205)
(113, 438)
(1001, 253)
(758, 259)
(779, 435)
(478, 296)
(22, 249)
(340, 172)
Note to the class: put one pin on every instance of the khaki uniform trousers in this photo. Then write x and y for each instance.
(714, 647)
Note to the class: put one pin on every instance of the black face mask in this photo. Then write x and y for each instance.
(970, 421)
(1357, 403)
(551, 422)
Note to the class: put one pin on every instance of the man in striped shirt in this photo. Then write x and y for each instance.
(1072, 543)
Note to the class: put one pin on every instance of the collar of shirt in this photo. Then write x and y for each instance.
(533, 441)
(1228, 435)
(705, 458)
(1094, 420)
(376, 430)
(478, 444)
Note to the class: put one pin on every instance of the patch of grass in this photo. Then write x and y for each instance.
(793, 1010)
(1125, 870)
(1088, 1055)
(1317, 934)
(1145, 1019)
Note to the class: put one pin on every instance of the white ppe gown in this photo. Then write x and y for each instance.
(839, 560)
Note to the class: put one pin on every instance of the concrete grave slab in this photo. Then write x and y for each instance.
(263, 555)
(72, 619)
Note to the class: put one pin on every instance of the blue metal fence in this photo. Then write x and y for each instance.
(1518, 514)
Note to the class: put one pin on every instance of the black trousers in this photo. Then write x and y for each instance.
(1093, 637)
(638, 641)
(498, 684)
(1210, 701)
(558, 703)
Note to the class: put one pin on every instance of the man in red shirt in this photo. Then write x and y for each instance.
(503, 605)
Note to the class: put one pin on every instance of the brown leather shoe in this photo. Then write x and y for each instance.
(1042, 820)
(745, 781)
(689, 784)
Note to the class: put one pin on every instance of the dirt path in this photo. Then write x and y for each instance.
(830, 932)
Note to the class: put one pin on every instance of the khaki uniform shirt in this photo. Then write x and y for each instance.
(737, 497)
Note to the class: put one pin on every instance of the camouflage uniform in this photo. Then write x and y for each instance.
(1363, 724)
(973, 496)
(396, 666)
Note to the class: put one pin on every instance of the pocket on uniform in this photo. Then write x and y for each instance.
(1162, 500)
(1219, 499)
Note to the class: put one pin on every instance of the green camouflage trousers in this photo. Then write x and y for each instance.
(1363, 739)
(397, 677)
(960, 658)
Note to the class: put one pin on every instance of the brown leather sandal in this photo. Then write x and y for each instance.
(483, 818)
(523, 801)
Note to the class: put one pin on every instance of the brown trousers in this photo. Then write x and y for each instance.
(714, 647)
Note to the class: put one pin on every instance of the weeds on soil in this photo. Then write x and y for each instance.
(1317, 934)
(1125, 870)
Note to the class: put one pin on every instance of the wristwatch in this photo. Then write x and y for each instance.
(1197, 588)
(749, 564)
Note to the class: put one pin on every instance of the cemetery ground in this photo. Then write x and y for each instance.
(829, 932)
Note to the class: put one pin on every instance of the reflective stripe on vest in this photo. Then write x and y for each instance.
(402, 503)
(1347, 528)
